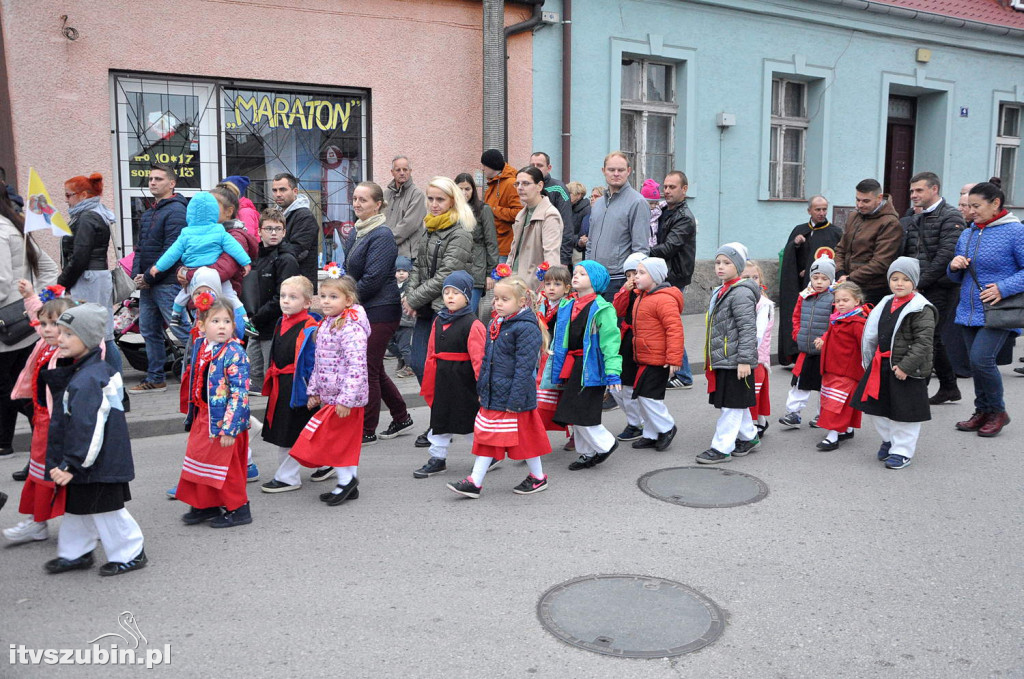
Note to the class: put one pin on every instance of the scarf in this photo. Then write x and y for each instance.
(365, 226)
(290, 321)
(94, 205)
(438, 222)
(897, 302)
(447, 316)
(836, 317)
(726, 285)
(980, 225)
(580, 304)
(301, 202)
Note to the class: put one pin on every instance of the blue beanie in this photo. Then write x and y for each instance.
(461, 281)
(403, 263)
(598, 274)
(241, 182)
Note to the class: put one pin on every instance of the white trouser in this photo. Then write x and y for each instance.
(902, 435)
(797, 400)
(118, 531)
(439, 444)
(657, 419)
(592, 440)
(288, 472)
(629, 405)
(733, 422)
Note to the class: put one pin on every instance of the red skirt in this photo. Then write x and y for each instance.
(836, 412)
(764, 399)
(37, 495)
(329, 440)
(547, 404)
(212, 475)
(520, 435)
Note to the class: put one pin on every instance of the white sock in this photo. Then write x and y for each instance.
(480, 470)
(345, 475)
(832, 436)
(249, 458)
(535, 467)
(762, 420)
(849, 430)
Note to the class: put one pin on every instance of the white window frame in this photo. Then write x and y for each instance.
(645, 109)
(781, 124)
(1008, 144)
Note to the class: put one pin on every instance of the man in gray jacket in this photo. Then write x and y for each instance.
(620, 222)
(406, 208)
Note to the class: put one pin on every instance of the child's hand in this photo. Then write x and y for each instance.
(630, 284)
(25, 288)
(313, 402)
(900, 375)
(226, 441)
(672, 369)
(60, 477)
(615, 387)
(246, 269)
(818, 343)
(153, 271)
(342, 411)
(743, 371)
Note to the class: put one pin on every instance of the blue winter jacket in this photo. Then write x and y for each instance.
(304, 364)
(508, 373)
(204, 239)
(159, 227)
(227, 389)
(997, 256)
(371, 262)
(602, 363)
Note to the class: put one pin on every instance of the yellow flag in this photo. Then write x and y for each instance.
(40, 214)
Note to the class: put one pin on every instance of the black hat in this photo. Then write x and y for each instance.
(493, 159)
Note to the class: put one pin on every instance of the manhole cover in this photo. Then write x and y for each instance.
(703, 487)
(630, 616)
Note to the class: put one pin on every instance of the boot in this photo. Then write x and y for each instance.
(994, 424)
(978, 419)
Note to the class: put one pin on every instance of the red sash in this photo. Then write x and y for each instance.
(270, 385)
(710, 375)
(798, 367)
(452, 356)
(570, 361)
(875, 375)
(496, 428)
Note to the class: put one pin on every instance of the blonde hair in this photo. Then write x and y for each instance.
(300, 282)
(463, 212)
(617, 154)
(851, 288)
(346, 285)
(55, 307)
(521, 291)
(577, 188)
(760, 275)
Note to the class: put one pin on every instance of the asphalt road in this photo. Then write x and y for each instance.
(845, 569)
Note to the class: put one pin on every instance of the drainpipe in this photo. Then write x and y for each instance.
(523, 26)
(566, 89)
(495, 115)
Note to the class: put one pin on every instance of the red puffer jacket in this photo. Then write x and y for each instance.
(657, 326)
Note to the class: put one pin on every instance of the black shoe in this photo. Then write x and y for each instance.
(126, 403)
(344, 494)
(237, 517)
(883, 450)
(6, 453)
(608, 403)
(642, 443)
(275, 486)
(324, 497)
(846, 436)
(761, 429)
(813, 424)
(116, 568)
(434, 465)
(825, 444)
(495, 462)
(665, 439)
(369, 439)
(630, 433)
(583, 462)
(601, 457)
(949, 395)
(466, 488)
(20, 475)
(195, 516)
(397, 429)
(322, 474)
(3, 500)
(712, 456)
(1019, 371)
(62, 565)
(422, 441)
(745, 447)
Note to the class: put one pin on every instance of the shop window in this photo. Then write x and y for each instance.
(1008, 148)
(648, 115)
(786, 164)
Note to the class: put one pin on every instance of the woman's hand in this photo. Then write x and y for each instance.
(61, 477)
(489, 283)
(409, 311)
(743, 371)
(313, 402)
(342, 411)
(959, 263)
(226, 441)
(153, 271)
(900, 375)
(991, 294)
(25, 288)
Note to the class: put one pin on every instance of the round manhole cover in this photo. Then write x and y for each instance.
(703, 487)
(630, 616)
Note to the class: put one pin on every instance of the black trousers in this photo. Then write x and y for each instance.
(945, 300)
(11, 364)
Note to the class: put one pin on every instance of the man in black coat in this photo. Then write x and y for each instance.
(302, 235)
(807, 242)
(931, 237)
(559, 197)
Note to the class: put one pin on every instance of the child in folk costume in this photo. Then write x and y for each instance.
(508, 422)
(287, 372)
(338, 388)
(624, 301)
(555, 285)
(730, 354)
(762, 372)
(810, 321)
(658, 348)
(455, 351)
(88, 450)
(40, 498)
(213, 476)
(586, 362)
(897, 355)
(841, 367)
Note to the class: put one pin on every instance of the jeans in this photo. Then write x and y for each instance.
(380, 385)
(400, 345)
(155, 310)
(684, 373)
(420, 340)
(474, 301)
(615, 284)
(983, 345)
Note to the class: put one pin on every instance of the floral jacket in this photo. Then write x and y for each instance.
(227, 389)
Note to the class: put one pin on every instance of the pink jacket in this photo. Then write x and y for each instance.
(339, 372)
(249, 216)
(765, 323)
(23, 385)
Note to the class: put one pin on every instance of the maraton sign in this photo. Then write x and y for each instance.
(291, 111)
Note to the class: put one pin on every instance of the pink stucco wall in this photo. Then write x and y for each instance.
(422, 60)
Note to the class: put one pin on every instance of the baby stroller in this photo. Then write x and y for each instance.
(128, 338)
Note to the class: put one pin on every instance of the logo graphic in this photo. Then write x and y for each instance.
(123, 649)
(825, 252)
(128, 623)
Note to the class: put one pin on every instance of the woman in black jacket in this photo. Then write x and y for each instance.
(370, 255)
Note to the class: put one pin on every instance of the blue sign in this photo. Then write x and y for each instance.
(963, 111)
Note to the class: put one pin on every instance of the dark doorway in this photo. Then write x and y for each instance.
(899, 150)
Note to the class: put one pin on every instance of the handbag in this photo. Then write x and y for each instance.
(123, 284)
(1007, 313)
(14, 323)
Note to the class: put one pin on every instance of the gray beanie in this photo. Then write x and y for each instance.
(825, 266)
(632, 261)
(908, 266)
(88, 322)
(657, 268)
(737, 253)
(205, 277)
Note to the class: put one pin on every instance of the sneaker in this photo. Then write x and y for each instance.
(813, 424)
(896, 462)
(27, 531)
(745, 447)
(712, 456)
(582, 462)
(883, 450)
(369, 439)
(252, 475)
(642, 443)
(495, 463)
(236, 517)
(465, 487)
(342, 493)
(825, 444)
(630, 433)
(405, 372)
(1019, 371)
(761, 429)
(145, 387)
(250, 329)
(276, 486)
(117, 568)
(62, 565)
(422, 441)
(609, 404)
(945, 396)
(196, 516)
(790, 420)
(21, 474)
(570, 445)
(531, 484)
(172, 493)
(6, 453)
(397, 429)
(665, 439)
(435, 465)
(676, 383)
(601, 457)
(322, 474)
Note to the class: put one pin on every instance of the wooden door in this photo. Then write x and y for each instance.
(899, 151)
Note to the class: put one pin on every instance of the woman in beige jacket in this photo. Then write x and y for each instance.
(537, 231)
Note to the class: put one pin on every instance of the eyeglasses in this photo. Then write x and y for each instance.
(273, 229)
(69, 195)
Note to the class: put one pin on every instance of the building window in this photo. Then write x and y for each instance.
(787, 165)
(647, 125)
(1008, 147)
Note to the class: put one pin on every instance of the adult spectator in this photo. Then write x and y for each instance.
(485, 240)
(370, 254)
(247, 212)
(619, 222)
(12, 194)
(580, 211)
(807, 241)
(501, 196)
(406, 208)
(448, 247)
(16, 264)
(302, 233)
(931, 236)
(159, 227)
(871, 242)
(558, 194)
(84, 253)
(676, 243)
(988, 269)
(538, 229)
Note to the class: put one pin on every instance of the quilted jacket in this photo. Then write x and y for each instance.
(440, 253)
(931, 238)
(912, 341)
(658, 327)
(227, 389)
(508, 373)
(997, 256)
(339, 374)
(731, 326)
